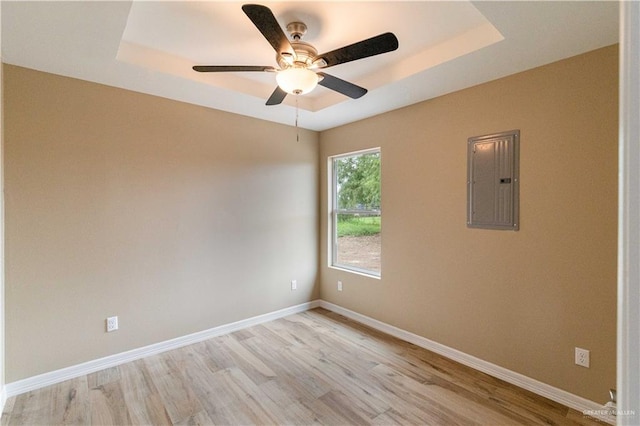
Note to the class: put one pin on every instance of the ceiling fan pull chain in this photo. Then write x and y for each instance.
(297, 129)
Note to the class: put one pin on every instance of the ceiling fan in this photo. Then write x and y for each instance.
(298, 60)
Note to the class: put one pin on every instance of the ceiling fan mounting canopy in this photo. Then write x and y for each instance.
(299, 60)
(297, 29)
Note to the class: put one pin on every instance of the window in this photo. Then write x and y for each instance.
(356, 217)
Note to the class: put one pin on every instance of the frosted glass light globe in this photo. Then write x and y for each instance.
(297, 81)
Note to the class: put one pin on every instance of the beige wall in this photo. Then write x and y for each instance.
(178, 218)
(522, 300)
(174, 217)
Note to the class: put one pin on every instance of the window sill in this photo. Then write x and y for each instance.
(356, 271)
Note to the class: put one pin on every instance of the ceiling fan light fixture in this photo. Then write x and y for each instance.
(298, 60)
(297, 81)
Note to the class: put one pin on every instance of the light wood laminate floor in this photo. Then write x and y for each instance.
(310, 368)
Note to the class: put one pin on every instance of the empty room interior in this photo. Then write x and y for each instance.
(176, 247)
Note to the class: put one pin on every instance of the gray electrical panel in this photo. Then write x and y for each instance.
(493, 181)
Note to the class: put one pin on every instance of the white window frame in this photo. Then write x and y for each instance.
(334, 211)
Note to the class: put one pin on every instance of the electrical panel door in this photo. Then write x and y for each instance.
(493, 181)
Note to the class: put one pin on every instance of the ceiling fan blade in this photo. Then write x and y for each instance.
(263, 19)
(231, 68)
(382, 43)
(334, 83)
(277, 96)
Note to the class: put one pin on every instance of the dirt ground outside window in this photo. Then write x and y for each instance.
(360, 252)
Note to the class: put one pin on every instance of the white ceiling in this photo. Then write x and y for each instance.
(150, 46)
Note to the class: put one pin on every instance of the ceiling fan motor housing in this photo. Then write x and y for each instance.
(305, 52)
(304, 56)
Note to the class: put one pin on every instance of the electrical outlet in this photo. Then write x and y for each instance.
(112, 324)
(294, 284)
(339, 285)
(582, 357)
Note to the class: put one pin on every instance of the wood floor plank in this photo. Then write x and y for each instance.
(204, 382)
(32, 407)
(244, 406)
(179, 400)
(355, 384)
(467, 410)
(251, 362)
(201, 418)
(395, 417)
(285, 406)
(327, 415)
(66, 403)
(275, 340)
(202, 349)
(103, 377)
(253, 399)
(315, 367)
(70, 402)
(6, 411)
(350, 408)
(218, 390)
(293, 380)
(218, 354)
(242, 334)
(143, 401)
(298, 414)
(429, 367)
(108, 406)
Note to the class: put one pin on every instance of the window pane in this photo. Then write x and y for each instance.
(357, 216)
(358, 242)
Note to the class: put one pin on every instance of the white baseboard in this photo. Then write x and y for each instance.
(578, 403)
(563, 397)
(57, 376)
(3, 397)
